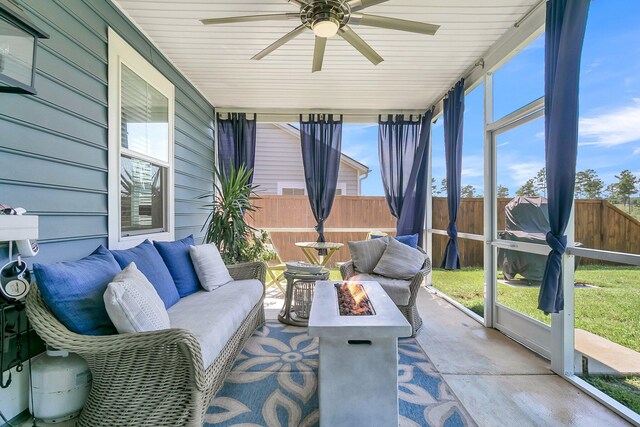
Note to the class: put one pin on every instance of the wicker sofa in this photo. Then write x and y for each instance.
(152, 378)
(401, 292)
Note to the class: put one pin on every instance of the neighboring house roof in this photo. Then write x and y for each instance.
(360, 167)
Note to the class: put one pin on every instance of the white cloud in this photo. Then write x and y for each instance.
(592, 66)
(636, 152)
(521, 172)
(364, 152)
(503, 144)
(615, 127)
(472, 166)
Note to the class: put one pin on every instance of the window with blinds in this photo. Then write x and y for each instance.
(141, 132)
(144, 118)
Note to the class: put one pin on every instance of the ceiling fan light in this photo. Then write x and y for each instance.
(328, 28)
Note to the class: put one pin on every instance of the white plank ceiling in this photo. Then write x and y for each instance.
(417, 69)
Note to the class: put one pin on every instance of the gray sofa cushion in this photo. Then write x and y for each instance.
(365, 254)
(213, 317)
(398, 290)
(400, 261)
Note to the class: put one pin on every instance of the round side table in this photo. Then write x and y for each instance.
(298, 296)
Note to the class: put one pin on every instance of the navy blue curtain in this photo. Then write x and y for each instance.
(453, 139)
(236, 143)
(321, 138)
(403, 149)
(565, 28)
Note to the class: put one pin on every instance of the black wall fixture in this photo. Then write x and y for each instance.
(18, 48)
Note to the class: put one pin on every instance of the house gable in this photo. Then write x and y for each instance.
(279, 162)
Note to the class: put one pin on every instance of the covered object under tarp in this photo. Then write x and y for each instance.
(526, 220)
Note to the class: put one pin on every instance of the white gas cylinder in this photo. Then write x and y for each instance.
(60, 384)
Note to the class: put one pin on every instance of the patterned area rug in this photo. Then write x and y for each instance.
(274, 383)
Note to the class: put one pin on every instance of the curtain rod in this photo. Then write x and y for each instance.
(353, 116)
(529, 13)
(229, 113)
(303, 111)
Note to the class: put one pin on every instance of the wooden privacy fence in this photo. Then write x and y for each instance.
(289, 220)
(599, 225)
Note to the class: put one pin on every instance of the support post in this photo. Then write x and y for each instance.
(428, 236)
(563, 323)
(490, 211)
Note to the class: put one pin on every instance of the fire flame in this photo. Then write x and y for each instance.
(357, 292)
(353, 300)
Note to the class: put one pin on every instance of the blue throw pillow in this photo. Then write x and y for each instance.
(176, 257)
(409, 240)
(150, 263)
(74, 290)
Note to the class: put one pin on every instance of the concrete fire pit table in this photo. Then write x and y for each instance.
(358, 372)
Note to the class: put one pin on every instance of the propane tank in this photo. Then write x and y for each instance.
(60, 384)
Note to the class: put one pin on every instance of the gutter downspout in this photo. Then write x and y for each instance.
(361, 178)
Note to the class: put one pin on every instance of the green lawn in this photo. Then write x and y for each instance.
(610, 310)
(335, 274)
(624, 390)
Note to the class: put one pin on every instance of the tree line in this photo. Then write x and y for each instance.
(588, 186)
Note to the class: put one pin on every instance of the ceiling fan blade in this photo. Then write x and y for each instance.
(357, 5)
(354, 40)
(281, 42)
(318, 54)
(299, 3)
(393, 24)
(251, 18)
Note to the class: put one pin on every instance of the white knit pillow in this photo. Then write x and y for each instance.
(209, 266)
(133, 304)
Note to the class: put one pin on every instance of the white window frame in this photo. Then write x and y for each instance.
(296, 185)
(120, 52)
(301, 186)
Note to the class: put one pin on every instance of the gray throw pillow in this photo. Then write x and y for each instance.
(365, 254)
(210, 268)
(400, 261)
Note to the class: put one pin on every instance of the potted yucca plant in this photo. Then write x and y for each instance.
(226, 225)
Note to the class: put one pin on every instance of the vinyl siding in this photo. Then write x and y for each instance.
(279, 159)
(53, 146)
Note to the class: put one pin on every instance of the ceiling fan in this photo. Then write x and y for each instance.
(326, 18)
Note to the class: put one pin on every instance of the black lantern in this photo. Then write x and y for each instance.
(18, 45)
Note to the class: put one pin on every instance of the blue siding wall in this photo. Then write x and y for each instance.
(53, 146)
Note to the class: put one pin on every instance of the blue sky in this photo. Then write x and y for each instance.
(609, 109)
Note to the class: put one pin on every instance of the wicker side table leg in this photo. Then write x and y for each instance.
(285, 313)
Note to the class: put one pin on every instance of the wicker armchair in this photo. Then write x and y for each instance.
(410, 311)
(151, 378)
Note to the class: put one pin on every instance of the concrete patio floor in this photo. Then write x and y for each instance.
(500, 382)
